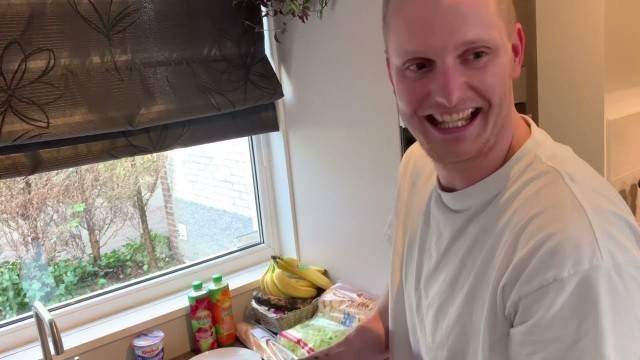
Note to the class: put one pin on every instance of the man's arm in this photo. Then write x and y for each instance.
(368, 340)
(592, 314)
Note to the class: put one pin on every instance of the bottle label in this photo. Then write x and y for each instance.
(223, 316)
(202, 325)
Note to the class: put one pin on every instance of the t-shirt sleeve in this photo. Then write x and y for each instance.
(591, 314)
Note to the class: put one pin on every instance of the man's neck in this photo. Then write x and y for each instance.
(463, 175)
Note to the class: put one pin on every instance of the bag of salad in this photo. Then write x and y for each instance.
(312, 335)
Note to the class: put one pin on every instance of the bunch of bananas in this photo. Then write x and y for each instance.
(287, 277)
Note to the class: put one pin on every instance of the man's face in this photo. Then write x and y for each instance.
(452, 64)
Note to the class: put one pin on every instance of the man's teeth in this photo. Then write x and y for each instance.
(448, 121)
(455, 124)
(449, 118)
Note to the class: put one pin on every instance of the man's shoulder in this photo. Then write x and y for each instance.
(568, 219)
(416, 165)
(562, 192)
(416, 180)
(559, 177)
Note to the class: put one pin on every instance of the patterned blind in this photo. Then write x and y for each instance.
(84, 81)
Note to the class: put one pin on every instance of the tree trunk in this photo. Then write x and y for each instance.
(37, 246)
(94, 242)
(146, 232)
(94, 239)
(172, 225)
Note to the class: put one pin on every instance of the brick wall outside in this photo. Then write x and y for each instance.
(217, 175)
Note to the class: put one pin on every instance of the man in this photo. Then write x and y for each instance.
(506, 244)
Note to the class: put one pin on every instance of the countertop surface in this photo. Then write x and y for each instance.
(190, 355)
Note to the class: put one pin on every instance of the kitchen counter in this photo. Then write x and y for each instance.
(186, 356)
(190, 355)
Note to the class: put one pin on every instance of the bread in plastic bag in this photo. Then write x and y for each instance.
(346, 305)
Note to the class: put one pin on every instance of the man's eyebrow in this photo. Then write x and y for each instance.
(465, 44)
(412, 53)
(474, 42)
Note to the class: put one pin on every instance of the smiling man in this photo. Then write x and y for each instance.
(506, 244)
(451, 64)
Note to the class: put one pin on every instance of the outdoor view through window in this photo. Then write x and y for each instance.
(69, 233)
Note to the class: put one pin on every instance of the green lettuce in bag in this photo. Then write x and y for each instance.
(312, 335)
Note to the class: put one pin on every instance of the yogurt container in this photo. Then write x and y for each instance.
(149, 345)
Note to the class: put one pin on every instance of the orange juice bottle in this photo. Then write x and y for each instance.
(222, 312)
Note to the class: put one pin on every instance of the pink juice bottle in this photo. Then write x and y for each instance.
(201, 312)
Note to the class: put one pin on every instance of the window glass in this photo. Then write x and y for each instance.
(74, 232)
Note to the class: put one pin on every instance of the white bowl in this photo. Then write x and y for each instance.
(229, 353)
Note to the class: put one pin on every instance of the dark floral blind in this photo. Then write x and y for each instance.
(84, 81)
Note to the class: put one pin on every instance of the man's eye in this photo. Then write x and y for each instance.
(478, 55)
(418, 66)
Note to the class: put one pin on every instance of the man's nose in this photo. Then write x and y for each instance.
(447, 86)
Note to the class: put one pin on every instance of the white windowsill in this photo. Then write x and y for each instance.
(133, 321)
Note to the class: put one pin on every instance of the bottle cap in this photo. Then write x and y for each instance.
(217, 278)
(197, 285)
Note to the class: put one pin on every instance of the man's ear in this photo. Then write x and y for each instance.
(389, 74)
(517, 50)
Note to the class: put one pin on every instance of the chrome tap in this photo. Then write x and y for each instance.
(45, 321)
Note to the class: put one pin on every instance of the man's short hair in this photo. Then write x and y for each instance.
(506, 8)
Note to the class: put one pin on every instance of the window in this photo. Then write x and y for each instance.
(79, 235)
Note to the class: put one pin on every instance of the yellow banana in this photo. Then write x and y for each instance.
(305, 272)
(263, 279)
(292, 276)
(319, 269)
(292, 287)
(280, 265)
(272, 288)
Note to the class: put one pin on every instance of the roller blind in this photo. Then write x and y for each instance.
(84, 81)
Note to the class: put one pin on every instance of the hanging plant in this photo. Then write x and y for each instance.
(289, 10)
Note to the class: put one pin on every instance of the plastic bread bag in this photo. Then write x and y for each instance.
(312, 335)
(260, 340)
(346, 305)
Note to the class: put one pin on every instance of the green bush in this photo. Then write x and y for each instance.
(53, 282)
(12, 296)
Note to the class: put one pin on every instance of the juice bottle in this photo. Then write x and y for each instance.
(222, 312)
(201, 311)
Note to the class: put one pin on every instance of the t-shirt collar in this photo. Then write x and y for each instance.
(489, 187)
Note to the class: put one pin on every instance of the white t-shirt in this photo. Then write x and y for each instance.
(541, 260)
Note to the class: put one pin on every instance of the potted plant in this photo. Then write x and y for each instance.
(289, 10)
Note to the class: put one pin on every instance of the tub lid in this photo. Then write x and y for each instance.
(147, 338)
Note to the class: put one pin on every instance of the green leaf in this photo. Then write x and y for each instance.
(74, 223)
(295, 6)
(79, 207)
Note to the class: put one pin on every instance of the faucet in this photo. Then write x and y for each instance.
(43, 318)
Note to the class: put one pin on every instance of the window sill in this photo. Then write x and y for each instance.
(129, 323)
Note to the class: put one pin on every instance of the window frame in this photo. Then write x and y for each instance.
(86, 309)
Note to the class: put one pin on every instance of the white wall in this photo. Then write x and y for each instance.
(622, 153)
(622, 100)
(342, 130)
(570, 39)
(622, 36)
